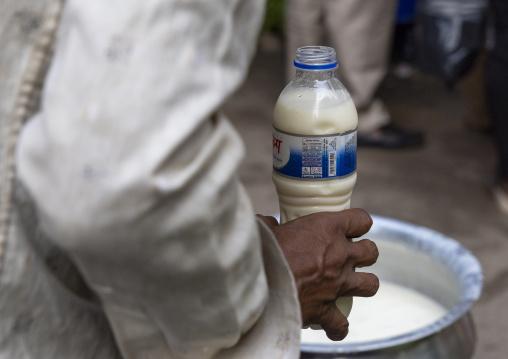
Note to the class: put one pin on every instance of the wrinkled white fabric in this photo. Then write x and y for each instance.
(46, 310)
(133, 172)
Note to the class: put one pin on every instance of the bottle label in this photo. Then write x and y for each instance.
(314, 157)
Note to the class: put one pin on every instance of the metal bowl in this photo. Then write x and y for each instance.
(435, 265)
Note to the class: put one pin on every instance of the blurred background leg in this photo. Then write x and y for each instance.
(303, 28)
(497, 95)
(361, 32)
(473, 89)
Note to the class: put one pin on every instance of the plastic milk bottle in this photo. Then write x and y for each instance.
(314, 141)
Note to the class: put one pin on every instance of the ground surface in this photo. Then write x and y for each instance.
(442, 185)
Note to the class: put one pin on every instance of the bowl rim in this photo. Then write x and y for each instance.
(466, 267)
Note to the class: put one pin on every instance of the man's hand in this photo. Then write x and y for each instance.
(323, 263)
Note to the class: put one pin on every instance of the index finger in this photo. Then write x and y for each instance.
(353, 222)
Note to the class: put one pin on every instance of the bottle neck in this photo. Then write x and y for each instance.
(315, 75)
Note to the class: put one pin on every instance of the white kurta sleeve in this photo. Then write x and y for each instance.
(134, 174)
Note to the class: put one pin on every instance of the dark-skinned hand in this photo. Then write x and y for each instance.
(323, 261)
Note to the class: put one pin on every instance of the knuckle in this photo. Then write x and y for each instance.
(322, 220)
(326, 223)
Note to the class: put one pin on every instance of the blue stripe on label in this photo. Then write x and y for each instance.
(316, 158)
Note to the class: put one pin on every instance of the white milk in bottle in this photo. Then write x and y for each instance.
(314, 141)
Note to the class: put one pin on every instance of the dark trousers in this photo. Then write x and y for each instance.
(497, 82)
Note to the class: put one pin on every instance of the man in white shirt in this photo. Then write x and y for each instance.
(125, 231)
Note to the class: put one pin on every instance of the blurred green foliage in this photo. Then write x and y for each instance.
(274, 16)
